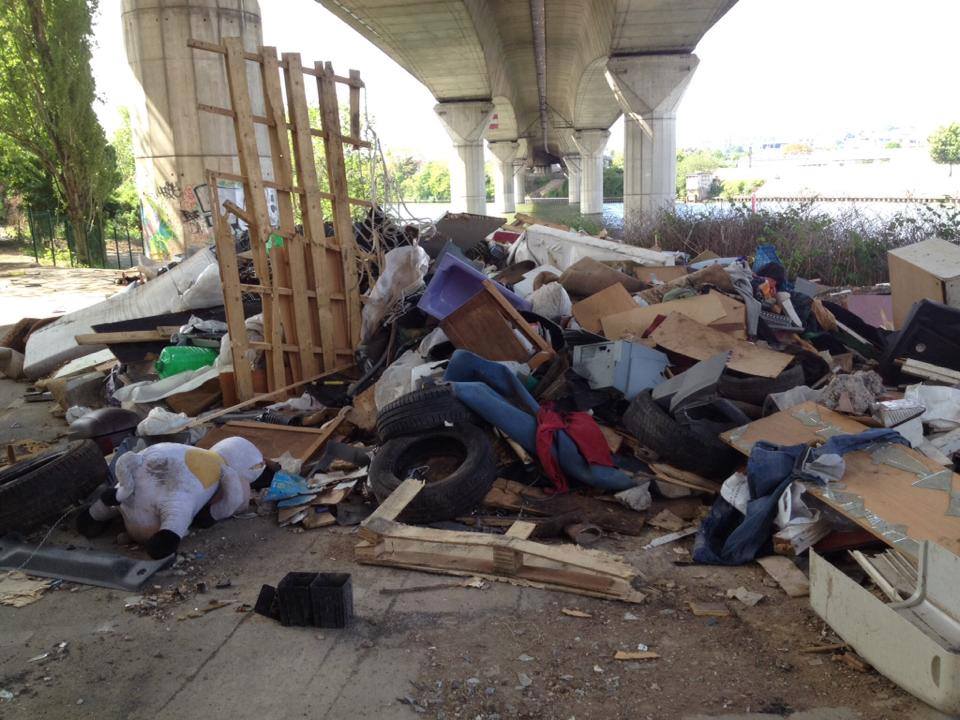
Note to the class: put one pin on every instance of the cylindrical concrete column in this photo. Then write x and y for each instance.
(504, 152)
(465, 123)
(591, 144)
(520, 181)
(649, 89)
(173, 142)
(572, 163)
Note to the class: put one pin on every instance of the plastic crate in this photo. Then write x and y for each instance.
(294, 596)
(331, 595)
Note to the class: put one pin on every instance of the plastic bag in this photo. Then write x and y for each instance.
(403, 271)
(162, 422)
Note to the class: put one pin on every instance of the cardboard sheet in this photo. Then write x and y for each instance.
(612, 300)
(691, 339)
(704, 309)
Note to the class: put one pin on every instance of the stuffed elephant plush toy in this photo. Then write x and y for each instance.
(163, 489)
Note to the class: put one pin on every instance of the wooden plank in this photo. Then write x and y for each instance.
(788, 576)
(291, 256)
(274, 440)
(129, 336)
(255, 200)
(609, 301)
(684, 478)
(232, 295)
(521, 529)
(267, 396)
(691, 339)
(391, 508)
(791, 427)
(312, 207)
(337, 177)
(479, 326)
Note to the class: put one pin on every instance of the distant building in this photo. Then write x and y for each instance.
(699, 186)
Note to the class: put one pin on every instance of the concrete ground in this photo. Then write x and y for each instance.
(29, 290)
(421, 645)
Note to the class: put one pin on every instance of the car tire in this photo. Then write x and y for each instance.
(37, 490)
(421, 411)
(461, 469)
(754, 390)
(678, 445)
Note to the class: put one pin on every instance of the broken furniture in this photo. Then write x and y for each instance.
(508, 558)
(928, 270)
(488, 325)
(912, 639)
(308, 281)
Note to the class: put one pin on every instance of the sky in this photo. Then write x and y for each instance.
(769, 70)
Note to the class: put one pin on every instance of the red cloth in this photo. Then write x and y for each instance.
(582, 429)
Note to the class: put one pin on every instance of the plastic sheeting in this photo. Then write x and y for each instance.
(52, 345)
(562, 248)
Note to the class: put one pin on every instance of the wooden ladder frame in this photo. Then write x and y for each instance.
(308, 283)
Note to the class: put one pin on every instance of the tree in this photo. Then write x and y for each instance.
(945, 145)
(46, 104)
(692, 162)
(797, 149)
(124, 200)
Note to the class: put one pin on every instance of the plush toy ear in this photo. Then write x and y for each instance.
(162, 543)
(125, 470)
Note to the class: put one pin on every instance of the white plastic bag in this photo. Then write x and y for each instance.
(403, 272)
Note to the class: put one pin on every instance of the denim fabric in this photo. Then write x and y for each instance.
(728, 538)
(496, 394)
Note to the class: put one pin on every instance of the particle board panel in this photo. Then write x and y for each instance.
(689, 338)
(785, 428)
(609, 301)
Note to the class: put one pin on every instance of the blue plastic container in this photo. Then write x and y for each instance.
(454, 282)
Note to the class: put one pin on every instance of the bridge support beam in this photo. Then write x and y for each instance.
(465, 123)
(572, 163)
(648, 89)
(504, 152)
(591, 144)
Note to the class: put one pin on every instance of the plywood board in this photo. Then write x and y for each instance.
(788, 427)
(788, 576)
(691, 339)
(611, 300)
(634, 322)
(889, 492)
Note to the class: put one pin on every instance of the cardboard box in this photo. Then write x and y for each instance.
(928, 269)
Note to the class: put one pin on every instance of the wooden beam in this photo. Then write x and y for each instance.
(311, 208)
(255, 200)
(391, 508)
(129, 336)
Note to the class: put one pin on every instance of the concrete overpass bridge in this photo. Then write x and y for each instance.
(542, 81)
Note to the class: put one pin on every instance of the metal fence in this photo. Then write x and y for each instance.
(112, 242)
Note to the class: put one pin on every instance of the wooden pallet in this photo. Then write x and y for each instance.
(510, 558)
(308, 282)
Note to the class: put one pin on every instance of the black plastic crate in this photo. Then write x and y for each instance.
(294, 596)
(332, 599)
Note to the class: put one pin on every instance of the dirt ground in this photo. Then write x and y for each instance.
(438, 652)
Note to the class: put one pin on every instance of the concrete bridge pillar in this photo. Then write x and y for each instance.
(572, 163)
(465, 123)
(504, 152)
(519, 181)
(591, 144)
(648, 89)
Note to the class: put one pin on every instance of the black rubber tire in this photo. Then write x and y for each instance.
(38, 490)
(754, 390)
(677, 445)
(422, 411)
(447, 494)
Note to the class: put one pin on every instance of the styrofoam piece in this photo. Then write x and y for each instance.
(626, 366)
(910, 645)
(54, 344)
(562, 248)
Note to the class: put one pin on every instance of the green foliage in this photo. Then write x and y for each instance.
(613, 176)
(489, 190)
(124, 201)
(46, 104)
(431, 183)
(945, 145)
(845, 248)
(731, 189)
(21, 174)
(692, 162)
(892, 145)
